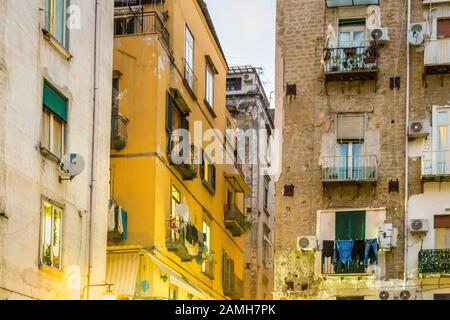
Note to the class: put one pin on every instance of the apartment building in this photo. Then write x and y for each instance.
(364, 93)
(55, 88)
(176, 227)
(248, 104)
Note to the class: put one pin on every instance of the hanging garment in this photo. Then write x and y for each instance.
(111, 218)
(371, 245)
(345, 247)
(119, 220)
(328, 249)
(124, 215)
(358, 250)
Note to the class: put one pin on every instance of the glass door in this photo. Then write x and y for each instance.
(441, 141)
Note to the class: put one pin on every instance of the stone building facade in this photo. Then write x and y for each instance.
(342, 97)
(248, 104)
(53, 231)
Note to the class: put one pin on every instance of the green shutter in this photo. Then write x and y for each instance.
(351, 225)
(55, 102)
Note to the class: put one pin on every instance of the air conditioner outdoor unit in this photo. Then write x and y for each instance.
(385, 236)
(419, 129)
(407, 295)
(418, 226)
(307, 243)
(387, 295)
(380, 35)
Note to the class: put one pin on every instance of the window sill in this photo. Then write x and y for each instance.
(209, 188)
(57, 45)
(210, 109)
(49, 155)
(51, 271)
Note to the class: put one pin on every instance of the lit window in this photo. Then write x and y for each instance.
(51, 235)
(208, 173)
(442, 231)
(209, 96)
(56, 19)
(176, 200)
(189, 58)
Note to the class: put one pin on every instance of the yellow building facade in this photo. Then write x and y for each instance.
(175, 230)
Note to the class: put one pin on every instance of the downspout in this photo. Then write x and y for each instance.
(93, 147)
(408, 85)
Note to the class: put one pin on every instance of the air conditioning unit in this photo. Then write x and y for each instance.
(418, 226)
(380, 35)
(417, 32)
(419, 129)
(387, 295)
(407, 295)
(385, 236)
(307, 243)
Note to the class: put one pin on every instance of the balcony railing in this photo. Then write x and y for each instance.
(235, 220)
(355, 168)
(349, 60)
(190, 79)
(434, 261)
(119, 126)
(185, 164)
(233, 286)
(437, 56)
(209, 265)
(435, 164)
(139, 24)
(181, 239)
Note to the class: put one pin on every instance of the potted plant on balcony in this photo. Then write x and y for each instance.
(349, 51)
(371, 54)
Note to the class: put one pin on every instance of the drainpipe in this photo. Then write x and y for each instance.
(408, 85)
(93, 147)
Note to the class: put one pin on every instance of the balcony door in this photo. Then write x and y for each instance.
(441, 141)
(351, 33)
(350, 160)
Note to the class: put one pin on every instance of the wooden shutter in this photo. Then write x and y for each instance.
(443, 28)
(350, 128)
(213, 176)
(442, 221)
(202, 165)
(351, 225)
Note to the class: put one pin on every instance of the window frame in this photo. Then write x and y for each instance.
(208, 173)
(206, 228)
(209, 85)
(51, 133)
(445, 36)
(54, 206)
(51, 21)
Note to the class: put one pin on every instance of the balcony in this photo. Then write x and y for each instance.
(350, 3)
(360, 169)
(437, 57)
(209, 265)
(233, 287)
(350, 64)
(141, 24)
(235, 220)
(434, 261)
(181, 239)
(436, 165)
(185, 164)
(190, 80)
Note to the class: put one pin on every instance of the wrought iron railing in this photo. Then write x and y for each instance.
(338, 60)
(233, 286)
(209, 265)
(189, 78)
(186, 163)
(436, 163)
(183, 239)
(139, 24)
(119, 125)
(235, 220)
(434, 261)
(352, 168)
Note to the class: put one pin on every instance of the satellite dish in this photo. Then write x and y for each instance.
(72, 165)
(376, 34)
(416, 34)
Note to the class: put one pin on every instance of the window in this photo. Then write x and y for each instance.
(267, 243)
(266, 193)
(443, 27)
(208, 173)
(55, 20)
(351, 33)
(206, 243)
(173, 292)
(189, 58)
(440, 157)
(51, 235)
(209, 95)
(234, 84)
(175, 200)
(350, 127)
(442, 231)
(176, 118)
(351, 225)
(54, 117)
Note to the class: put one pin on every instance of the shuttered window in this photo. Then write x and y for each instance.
(55, 102)
(442, 231)
(351, 225)
(350, 128)
(443, 28)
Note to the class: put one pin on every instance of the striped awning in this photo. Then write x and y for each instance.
(122, 270)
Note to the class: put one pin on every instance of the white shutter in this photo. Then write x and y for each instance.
(351, 127)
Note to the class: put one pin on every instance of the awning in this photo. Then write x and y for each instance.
(238, 182)
(122, 270)
(177, 279)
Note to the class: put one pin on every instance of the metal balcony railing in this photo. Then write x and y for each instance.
(352, 168)
(139, 24)
(434, 261)
(209, 265)
(435, 164)
(345, 60)
(190, 79)
(235, 220)
(181, 239)
(233, 286)
(185, 164)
